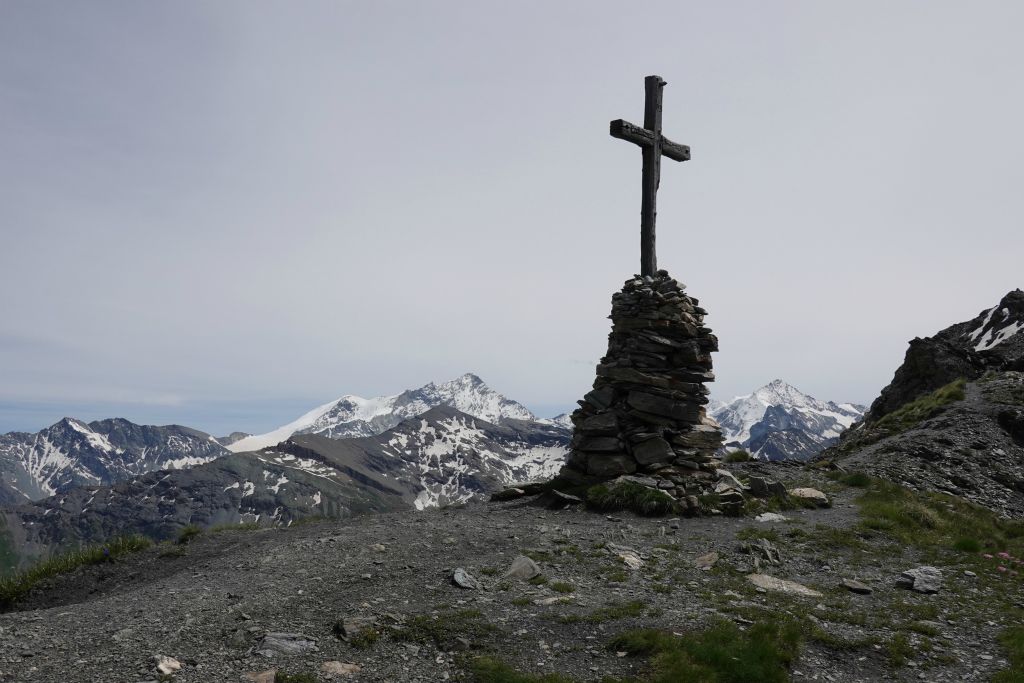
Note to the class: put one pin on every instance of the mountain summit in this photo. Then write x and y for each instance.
(352, 416)
(780, 422)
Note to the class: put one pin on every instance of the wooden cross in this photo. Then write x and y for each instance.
(653, 145)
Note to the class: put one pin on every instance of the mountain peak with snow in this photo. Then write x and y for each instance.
(751, 421)
(355, 416)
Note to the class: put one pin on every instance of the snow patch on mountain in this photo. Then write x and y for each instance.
(353, 416)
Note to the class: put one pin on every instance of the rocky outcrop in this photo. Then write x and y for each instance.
(646, 410)
(992, 341)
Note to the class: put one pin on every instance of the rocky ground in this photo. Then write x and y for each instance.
(211, 604)
(973, 447)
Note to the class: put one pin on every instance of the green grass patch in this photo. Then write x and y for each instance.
(928, 406)
(521, 601)
(282, 677)
(936, 520)
(538, 580)
(491, 670)
(752, 532)
(562, 587)
(1012, 639)
(442, 629)
(19, 585)
(611, 612)
(188, 534)
(721, 654)
(628, 495)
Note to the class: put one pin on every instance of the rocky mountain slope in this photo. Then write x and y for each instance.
(779, 422)
(352, 416)
(952, 419)
(441, 457)
(990, 341)
(72, 453)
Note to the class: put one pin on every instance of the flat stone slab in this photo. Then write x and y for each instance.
(814, 495)
(777, 585)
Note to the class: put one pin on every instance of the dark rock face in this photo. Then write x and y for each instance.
(991, 341)
(646, 410)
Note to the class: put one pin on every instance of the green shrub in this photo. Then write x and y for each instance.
(629, 495)
(739, 456)
(443, 628)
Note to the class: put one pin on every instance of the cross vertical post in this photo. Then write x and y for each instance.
(652, 175)
(653, 145)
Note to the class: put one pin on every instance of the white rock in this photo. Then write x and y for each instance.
(335, 668)
(770, 517)
(778, 585)
(165, 665)
(523, 568)
(814, 495)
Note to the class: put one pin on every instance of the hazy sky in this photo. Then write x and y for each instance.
(224, 213)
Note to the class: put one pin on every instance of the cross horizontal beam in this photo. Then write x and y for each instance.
(624, 130)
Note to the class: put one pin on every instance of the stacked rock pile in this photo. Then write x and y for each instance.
(646, 413)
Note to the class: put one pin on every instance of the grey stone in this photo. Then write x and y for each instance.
(855, 586)
(523, 568)
(653, 451)
(285, 644)
(601, 465)
(762, 487)
(921, 579)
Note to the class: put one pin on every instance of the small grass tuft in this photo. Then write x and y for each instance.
(612, 612)
(562, 587)
(628, 495)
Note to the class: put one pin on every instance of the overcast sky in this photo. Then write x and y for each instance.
(224, 213)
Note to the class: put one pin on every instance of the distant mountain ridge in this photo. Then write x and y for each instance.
(440, 457)
(780, 422)
(354, 416)
(74, 453)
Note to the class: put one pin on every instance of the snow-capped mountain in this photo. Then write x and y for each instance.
(442, 456)
(351, 416)
(779, 422)
(72, 453)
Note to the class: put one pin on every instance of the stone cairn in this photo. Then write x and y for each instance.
(645, 414)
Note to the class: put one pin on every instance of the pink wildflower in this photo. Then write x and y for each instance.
(1001, 568)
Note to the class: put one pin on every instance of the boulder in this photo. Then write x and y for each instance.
(921, 579)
